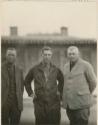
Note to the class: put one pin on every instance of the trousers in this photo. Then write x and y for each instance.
(78, 117)
(10, 115)
(45, 115)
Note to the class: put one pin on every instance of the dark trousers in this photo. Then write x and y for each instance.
(45, 115)
(78, 117)
(10, 115)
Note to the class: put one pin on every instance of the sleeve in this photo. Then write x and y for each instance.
(60, 79)
(91, 77)
(27, 82)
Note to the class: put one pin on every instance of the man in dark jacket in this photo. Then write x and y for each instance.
(11, 90)
(48, 86)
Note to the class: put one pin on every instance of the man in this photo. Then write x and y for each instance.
(12, 90)
(47, 92)
(80, 82)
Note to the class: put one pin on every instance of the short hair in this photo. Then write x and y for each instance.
(11, 48)
(46, 48)
(73, 48)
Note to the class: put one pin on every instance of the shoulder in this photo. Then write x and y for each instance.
(66, 65)
(34, 68)
(3, 64)
(86, 64)
(19, 68)
(3, 68)
(57, 69)
(54, 66)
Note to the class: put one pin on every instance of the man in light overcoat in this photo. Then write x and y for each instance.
(79, 84)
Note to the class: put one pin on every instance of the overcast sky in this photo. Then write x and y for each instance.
(48, 17)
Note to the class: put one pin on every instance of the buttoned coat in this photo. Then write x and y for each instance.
(45, 90)
(78, 85)
(5, 85)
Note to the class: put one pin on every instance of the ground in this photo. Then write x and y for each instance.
(28, 118)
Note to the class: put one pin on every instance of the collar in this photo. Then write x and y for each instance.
(9, 65)
(46, 65)
(42, 66)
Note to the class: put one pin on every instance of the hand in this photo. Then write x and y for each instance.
(33, 95)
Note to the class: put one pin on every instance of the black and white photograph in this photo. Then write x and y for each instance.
(48, 63)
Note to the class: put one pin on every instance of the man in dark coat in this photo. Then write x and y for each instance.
(11, 90)
(79, 83)
(48, 86)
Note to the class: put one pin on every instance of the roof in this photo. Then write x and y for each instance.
(46, 39)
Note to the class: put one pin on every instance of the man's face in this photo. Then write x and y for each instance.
(73, 55)
(47, 54)
(11, 56)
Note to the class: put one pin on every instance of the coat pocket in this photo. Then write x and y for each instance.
(84, 99)
(83, 93)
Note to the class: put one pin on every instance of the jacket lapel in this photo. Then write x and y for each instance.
(51, 69)
(41, 68)
(16, 76)
(74, 69)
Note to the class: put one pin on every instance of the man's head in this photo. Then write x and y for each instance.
(73, 53)
(11, 55)
(47, 54)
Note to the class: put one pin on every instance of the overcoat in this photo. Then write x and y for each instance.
(5, 82)
(78, 85)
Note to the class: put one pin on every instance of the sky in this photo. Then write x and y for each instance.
(48, 17)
